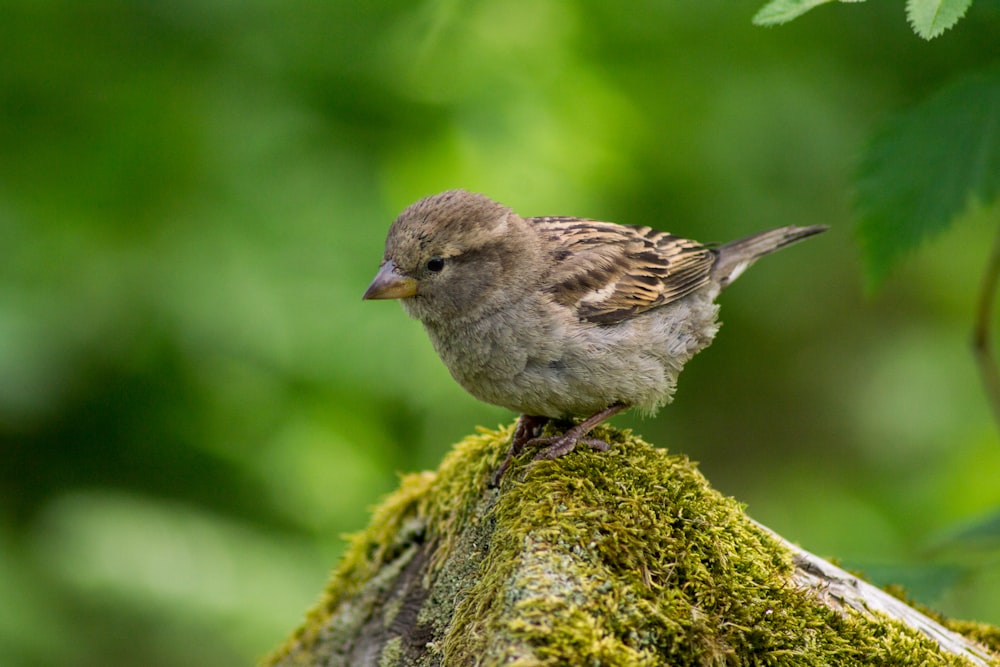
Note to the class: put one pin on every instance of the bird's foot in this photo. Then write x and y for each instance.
(528, 428)
(560, 445)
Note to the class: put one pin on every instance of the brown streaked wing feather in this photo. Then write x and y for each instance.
(610, 272)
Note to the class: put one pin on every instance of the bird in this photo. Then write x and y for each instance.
(559, 318)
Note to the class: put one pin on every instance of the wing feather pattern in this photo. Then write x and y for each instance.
(610, 272)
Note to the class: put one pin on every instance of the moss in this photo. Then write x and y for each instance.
(624, 557)
(364, 560)
(987, 635)
(427, 507)
(392, 654)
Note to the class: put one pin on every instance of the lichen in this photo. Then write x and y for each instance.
(624, 557)
(339, 611)
(392, 654)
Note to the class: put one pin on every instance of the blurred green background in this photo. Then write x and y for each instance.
(195, 404)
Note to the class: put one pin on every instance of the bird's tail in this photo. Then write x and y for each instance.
(736, 256)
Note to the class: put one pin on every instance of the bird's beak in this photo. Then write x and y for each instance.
(390, 284)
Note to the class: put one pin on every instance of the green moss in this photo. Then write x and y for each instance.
(433, 503)
(624, 557)
(987, 635)
(392, 654)
(364, 560)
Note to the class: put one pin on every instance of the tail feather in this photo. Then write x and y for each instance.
(736, 256)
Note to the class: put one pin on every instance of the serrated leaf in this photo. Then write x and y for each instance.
(925, 166)
(930, 18)
(782, 11)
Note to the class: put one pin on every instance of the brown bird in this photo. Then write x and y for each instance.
(558, 317)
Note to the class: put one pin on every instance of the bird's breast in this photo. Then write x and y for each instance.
(515, 358)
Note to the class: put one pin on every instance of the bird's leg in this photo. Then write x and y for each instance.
(528, 428)
(565, 443)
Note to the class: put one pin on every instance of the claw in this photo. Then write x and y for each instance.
(527, 429)
(561, 445)
(529, 426)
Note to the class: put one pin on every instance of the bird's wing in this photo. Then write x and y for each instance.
(610, 272)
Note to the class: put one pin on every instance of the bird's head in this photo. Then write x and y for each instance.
(448, 255)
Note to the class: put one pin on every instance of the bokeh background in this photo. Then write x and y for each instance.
(195, 404)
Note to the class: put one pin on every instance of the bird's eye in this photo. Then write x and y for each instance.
(435, 264)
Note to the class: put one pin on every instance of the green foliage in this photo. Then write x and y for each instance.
(929, 18)
(777, 12)
(925, 167)
(979, 539)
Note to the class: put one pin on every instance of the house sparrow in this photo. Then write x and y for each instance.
(558, 317)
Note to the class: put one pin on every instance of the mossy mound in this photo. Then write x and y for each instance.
(624, 557)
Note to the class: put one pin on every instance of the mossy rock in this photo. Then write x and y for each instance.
(624, 557)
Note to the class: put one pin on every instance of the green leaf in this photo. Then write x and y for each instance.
(983, 533)
(783, 11)
(924, 168)
(930, 18)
